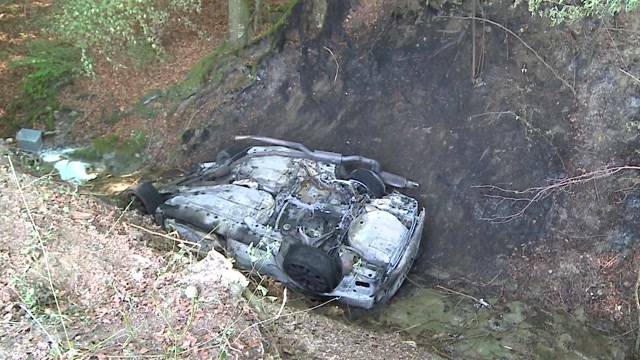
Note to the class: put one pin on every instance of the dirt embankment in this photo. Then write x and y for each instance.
(78, 281)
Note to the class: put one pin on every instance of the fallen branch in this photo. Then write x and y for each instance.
(533, 195)
(553, 71)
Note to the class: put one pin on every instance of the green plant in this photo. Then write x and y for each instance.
(49, 65)
(112, 144)
(108, 27)
(570, 11)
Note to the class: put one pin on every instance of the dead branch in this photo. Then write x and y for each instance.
(479, 301)
(638, 310)
(165, 236)
(630, 75)
(284, 301)
(473, 43)
(335, 78)
(535, 53)
(533, 195)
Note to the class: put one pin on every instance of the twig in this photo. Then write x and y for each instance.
(42, 248)
(284, 301)
(54, 343)
(335, 78)
(38, 179)
(553, 71)
(473, 43)
(479, 301)
(638, 310)
(535, 194)
(630, 75)
(118, 219)
(492, 113)
(285, 315)
(163, 235)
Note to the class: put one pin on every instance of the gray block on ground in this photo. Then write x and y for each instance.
(29, 140)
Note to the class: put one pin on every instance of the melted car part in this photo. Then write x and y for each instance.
(353, 161)
(378, 236)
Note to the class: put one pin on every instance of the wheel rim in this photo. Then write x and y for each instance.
(307, 277)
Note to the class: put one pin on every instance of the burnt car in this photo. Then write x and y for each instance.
(322, 223)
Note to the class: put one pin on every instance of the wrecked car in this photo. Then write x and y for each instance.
(322, 223)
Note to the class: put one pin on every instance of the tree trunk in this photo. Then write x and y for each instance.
(239, 22)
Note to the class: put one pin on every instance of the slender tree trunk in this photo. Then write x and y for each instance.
(256, 15)
(239, 22)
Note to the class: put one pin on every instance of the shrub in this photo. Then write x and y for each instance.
(49, 64)
(570, 11)
(108, 27)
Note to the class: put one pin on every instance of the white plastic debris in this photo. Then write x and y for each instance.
(73, 171)
(191, 292)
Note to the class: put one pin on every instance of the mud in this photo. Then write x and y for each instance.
(513, 330)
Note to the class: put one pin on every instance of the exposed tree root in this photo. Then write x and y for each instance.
(535, 53)
(530, 196)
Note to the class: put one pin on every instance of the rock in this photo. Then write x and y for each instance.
(191, 292)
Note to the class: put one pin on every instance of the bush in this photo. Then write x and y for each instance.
(50, 64)
(572, 10)
(108, 27)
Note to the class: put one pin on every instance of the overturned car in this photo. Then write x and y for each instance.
(322, 223)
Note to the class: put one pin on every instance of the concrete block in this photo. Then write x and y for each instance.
(29, 140)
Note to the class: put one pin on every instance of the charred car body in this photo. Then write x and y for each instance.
(320, 222)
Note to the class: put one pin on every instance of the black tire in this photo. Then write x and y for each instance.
(370, 180)
(312, 269)
(146, 195)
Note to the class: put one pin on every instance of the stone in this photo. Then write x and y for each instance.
(191, 292)
(29, 140)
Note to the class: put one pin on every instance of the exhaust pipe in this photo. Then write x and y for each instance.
(337, 159)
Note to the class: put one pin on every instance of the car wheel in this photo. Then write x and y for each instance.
(312, 268)
(370, 180)
(145, 196)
